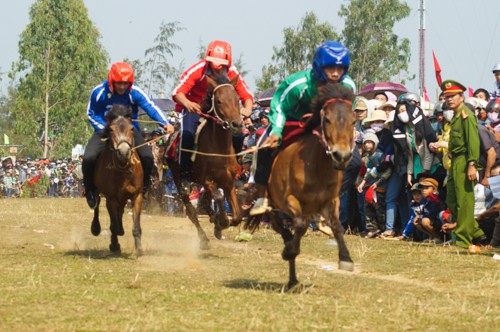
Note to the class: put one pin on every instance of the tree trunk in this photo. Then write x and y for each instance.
(46, 110)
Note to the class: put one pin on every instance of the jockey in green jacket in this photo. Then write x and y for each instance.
(291, 101)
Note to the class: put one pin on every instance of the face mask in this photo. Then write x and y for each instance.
(435, 126)
(448, 115)
(493, 116)
(404, 117)
(377, 127)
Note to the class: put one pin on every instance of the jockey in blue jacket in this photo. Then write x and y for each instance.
(119, 88)
(292, 100)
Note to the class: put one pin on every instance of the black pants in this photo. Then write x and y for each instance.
(95, 146)
(375, 214)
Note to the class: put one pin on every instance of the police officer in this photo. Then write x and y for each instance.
(464, 149)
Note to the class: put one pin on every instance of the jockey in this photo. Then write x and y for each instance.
(119, 88)
(291, 101)
(192, 89)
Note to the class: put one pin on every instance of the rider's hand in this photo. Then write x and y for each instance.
(168, 128)
(246, 112)
(193, 107)
(272, 141)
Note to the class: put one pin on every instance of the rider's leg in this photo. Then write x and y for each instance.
(262, 173)
(92, 151)
(147, 160)
(189, 124)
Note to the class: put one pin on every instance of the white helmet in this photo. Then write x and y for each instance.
(496, 67)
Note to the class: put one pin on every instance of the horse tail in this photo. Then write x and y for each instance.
(253, 223)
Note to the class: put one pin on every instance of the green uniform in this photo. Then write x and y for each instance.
(463, 147)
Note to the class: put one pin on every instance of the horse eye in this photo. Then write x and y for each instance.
(327, 120)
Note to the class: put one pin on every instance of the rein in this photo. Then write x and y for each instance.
(321, 134)
(216, 118)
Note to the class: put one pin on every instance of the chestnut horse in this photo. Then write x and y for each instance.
(307, 175)
(215, 164)
(119, 177)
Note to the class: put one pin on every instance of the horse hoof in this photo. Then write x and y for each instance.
(294, 287)
(218, 233)
(346, 266)
(95, 229)
(204, 245)
(139, 252)
(115, 248)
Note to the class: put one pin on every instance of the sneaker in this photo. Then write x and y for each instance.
(261, 206)
(91, 199)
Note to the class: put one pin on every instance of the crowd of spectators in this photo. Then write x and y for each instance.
(40, 178)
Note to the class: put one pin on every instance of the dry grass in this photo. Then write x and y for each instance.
(55, 276)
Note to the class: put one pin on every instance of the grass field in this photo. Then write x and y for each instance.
(55, 276)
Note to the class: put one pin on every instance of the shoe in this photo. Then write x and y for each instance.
(481, 240)
(261, 206)
(373, 234)
(91, 199)
(387, 234)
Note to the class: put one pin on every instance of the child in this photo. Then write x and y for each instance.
(426, 208)
(372, 158)
(430, 224)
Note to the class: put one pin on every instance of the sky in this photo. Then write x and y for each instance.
(463, 34)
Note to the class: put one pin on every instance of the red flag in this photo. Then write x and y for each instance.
(437, 69)
(471, 92)
(34, 180)
(426, 97)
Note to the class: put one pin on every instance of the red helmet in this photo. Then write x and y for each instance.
(493, 105)
(219, 54)
(120, 72)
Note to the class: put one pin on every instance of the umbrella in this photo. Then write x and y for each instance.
(264, 98)
(369, 91)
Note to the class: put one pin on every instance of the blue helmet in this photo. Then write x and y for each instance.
(330, 53)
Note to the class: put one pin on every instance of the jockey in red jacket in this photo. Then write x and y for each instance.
(192, 89)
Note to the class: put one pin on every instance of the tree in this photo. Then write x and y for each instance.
(377, 54)
(60, 60)
(157, 70)
(296, 53)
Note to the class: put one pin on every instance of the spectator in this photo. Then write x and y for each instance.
(377, 182)
(495, 92)
(464, 149)
(482, 94)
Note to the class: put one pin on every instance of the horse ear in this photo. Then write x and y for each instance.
(234, 81)
(211, 82)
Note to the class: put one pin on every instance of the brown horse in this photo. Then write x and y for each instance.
(218, 168)
(307, 175)
(119, 177)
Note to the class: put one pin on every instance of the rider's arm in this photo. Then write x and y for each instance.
(284, 101)
(243, 91)
(151, 109)
(96, 109)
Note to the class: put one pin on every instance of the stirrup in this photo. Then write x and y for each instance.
(261, 206)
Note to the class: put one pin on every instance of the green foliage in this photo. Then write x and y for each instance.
(377, 54)
(158, 72)
(297, 51)
(60, 60)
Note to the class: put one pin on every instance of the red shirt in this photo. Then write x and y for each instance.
(194, 85)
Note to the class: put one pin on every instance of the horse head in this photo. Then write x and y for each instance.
(225, 103)
(120, 131)
(334, 117)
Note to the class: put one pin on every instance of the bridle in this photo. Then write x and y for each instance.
(321, 134)
(114, 163)
(216, 117)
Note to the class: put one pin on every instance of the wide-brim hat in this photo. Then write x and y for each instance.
(377, 115)
(389, 103)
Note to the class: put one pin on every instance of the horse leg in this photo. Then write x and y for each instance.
(95, 228)
(345, 261)
(230, 193)
(137, 231)
(190, 210)
(116, 226)
(292, 247)
(221, 219)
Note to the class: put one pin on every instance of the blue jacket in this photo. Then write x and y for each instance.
(102, 99)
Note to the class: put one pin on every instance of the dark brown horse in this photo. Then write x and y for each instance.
(307, 175)
(119, 177)
(215, 165)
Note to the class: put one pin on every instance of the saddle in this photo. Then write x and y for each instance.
(293, 130)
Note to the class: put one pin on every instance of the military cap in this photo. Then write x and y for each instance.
(452, 87)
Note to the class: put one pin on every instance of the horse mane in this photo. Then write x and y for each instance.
(117, 111)
(325, 92)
